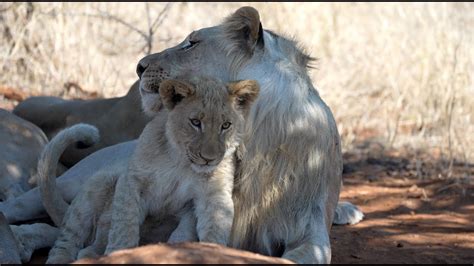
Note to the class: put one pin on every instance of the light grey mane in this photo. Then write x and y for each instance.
(297, 54)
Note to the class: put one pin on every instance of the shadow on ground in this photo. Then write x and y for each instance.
(413, 212)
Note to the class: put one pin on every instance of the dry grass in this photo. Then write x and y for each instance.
(401, 73)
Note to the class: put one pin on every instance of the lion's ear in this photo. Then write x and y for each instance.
(244, 93)
(174, 91)
(244, 29)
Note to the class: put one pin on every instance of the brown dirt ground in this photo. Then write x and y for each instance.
(413, 212)
(411, 216)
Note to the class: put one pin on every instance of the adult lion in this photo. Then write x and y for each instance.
(118, 119)
(21, 143)
(289, 177)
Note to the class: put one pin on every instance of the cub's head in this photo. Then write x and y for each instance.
(206, 117)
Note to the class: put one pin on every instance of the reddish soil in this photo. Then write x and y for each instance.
(408, 218)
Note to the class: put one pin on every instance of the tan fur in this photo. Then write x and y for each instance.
(118, 119)
(177, 167)
(53, 202)
(289, 174)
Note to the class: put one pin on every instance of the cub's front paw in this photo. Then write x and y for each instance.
(88, 252)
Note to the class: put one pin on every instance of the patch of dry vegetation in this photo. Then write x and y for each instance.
(399, 73)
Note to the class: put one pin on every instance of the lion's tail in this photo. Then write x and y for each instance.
(347, 213)
(53, 201)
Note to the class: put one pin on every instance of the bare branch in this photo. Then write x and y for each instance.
(123, 22)
(154, 26)
(160, 17)
(149, 39)
(102, 15)
(146, 35)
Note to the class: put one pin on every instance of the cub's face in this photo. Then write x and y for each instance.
(206, 117)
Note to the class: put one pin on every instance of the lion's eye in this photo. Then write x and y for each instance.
(190, 44)
(195, 122)
(226, 125)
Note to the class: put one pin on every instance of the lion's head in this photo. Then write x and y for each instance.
(218, 51)
(206, 117)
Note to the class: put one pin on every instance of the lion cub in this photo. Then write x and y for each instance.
(183, 166)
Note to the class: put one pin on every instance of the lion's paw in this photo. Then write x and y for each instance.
(347, 213)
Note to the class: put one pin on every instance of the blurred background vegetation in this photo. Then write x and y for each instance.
(399, 74)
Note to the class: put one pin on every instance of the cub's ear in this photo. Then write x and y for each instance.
(174, 91)
(244, 93)
(244, 30)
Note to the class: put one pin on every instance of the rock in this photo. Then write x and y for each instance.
(190, 252)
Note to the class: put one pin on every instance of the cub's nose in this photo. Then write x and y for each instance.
(207, 158)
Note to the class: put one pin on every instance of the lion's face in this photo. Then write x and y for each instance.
(205, 117)
(211, 52)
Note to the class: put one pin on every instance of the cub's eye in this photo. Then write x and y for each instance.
(195, 122)
(226, 125)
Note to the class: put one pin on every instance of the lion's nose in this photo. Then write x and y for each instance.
(207, 158)
(141, 68)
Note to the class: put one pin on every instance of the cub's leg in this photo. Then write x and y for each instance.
(89, 213)
(314, 246)
(186, 229)
(97, 248)
(128, 214)
(215, 213)
(75, 230)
